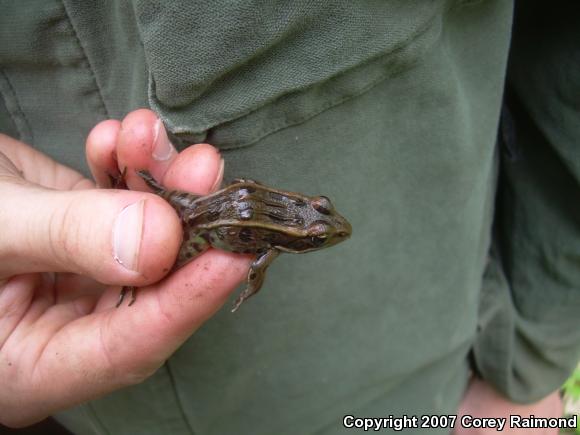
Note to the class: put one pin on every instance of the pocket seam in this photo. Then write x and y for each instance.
(14, 109)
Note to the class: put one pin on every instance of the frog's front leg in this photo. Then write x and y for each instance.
(118, 181)
(194, 243)
(151, 182)
(256, 276)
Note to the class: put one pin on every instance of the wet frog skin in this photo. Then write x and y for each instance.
(251, 218)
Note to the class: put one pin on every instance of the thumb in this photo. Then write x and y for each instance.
(115, 237)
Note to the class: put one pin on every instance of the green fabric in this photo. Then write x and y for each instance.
(532, 287)
(391, 108)
(249, 54)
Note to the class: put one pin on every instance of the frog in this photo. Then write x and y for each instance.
(248, 217)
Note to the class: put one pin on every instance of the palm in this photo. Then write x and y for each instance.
(62, 341)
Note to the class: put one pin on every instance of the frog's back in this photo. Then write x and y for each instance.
(251, 206)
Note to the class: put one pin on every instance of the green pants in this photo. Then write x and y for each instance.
(465, 251)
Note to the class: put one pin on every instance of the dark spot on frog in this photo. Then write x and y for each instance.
(186, 236)
(317, 241)
(252, 275)
(276, 196)
(299, 203)
(270, 238)
(188, 254)
(212, 215)
(250, 189)
(245, 235)
(197, 247)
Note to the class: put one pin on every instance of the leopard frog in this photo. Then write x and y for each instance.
(250, 218)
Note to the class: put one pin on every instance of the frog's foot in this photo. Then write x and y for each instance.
(151, 182)
(124, 292)
(256, 276)
(118, 181)
(241, 298)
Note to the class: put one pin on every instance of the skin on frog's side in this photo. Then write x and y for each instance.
(250, 218)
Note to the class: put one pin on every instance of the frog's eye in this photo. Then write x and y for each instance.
(319, 230)
(322, 205)
(318, 233)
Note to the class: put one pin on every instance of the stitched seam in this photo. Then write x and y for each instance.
(23, 127)
(276, 127)
(86, 56)
(96, 420)
(177, 399)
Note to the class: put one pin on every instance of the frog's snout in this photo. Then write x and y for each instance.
(344, 231)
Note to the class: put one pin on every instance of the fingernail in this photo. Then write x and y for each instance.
(127, 233)
(162, 147)
(220, 175)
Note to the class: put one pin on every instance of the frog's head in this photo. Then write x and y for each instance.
(324, 227)
(330, 227)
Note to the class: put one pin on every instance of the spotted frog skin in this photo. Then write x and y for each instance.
(247, 217)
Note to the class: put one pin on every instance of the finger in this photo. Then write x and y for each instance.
(198, 169)
(115, 237)
(92, 355)
(143, 144)
(36, 167)
(101, 150)
(69, 286)
(15, 297)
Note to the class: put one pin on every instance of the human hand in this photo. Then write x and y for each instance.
(62, 342)
(482, 401)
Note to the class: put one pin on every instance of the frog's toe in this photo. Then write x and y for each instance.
(133, 296)
(239, 301)
(246, 294)
(122, 294)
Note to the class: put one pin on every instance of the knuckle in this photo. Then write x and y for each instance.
(65, 234)
(139, 374)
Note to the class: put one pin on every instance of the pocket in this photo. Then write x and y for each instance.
(234, 72)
